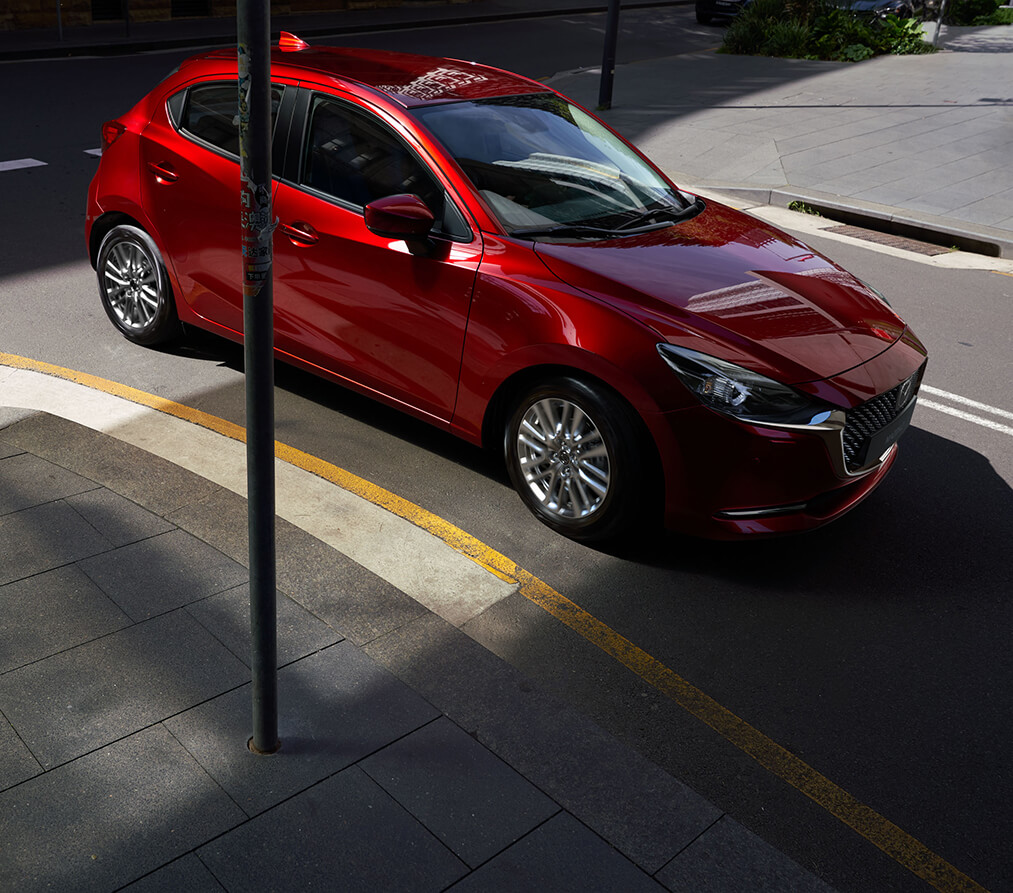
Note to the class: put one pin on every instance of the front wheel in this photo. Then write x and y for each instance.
(572, 454)
(135, 288)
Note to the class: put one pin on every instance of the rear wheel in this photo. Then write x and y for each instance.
(573, 456)
(135, 288)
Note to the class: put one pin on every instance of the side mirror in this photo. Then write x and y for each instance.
(401, 217)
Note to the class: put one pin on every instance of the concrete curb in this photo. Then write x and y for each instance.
(944, 231)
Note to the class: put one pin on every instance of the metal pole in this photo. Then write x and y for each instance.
(939, 23)
(254, 45)
(608, 62)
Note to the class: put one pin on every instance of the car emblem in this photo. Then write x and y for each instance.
(904, 393)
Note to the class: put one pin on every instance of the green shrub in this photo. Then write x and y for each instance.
(817, 29)
(1002, 16)
(964, 12)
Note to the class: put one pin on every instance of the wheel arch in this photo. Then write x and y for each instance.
(105, 224)
(510, 390)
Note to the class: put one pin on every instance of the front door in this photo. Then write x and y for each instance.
(362, 306)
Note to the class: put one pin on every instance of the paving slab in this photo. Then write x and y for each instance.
(162, 573)
(16, 761)
(118, 519)
(185, 875)
(344, 834)
(730, 859)
(110, 817)
(44, 537)
(469, 798)
(151, 482)
(339, 706)
(51, 612)
(91, 695)
(563, 856)
(644, 812)
(227, 617)
(28, 481)
(348, 597)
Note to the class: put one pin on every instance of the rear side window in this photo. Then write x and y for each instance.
(210, 112)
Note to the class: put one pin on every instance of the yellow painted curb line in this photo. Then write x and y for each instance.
(888, 837)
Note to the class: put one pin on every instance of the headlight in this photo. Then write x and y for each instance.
(741, 393)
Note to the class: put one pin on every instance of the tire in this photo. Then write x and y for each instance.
(702, 18)
(573, 457)
(134, 287)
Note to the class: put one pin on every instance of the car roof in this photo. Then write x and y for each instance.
(409, 79)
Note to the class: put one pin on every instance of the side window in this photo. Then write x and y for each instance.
(355, 158)
(210, 112)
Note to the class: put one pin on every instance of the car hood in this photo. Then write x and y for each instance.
(757, 296)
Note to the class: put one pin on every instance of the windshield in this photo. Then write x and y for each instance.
(544, 165)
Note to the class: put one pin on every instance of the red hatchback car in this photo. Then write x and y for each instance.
(471, 247)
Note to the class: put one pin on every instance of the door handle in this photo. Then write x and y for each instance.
(300, 232)
(163, 171)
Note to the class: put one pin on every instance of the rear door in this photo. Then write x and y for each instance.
(190, 189)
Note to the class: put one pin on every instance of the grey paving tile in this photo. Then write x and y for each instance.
(162, 573)
(81, 699)
(334, 708)
(640, 809)
(349, 597)
(344, 833)
(344, 594)
(464, 794)
(186, 875)
(41, 538)
(956, 195)
(562, 856)
(993, 210)
(146, 479)
(7, 417)
(729, 859)
(16, 761)
(51, 612)
(110, 817)
(227, 617)
(118, 519)
(27, 480)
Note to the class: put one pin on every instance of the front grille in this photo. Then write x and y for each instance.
(867, 420)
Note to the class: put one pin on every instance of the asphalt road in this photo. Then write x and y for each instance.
(877, 650)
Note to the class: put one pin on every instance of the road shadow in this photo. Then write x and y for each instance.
(936, 523)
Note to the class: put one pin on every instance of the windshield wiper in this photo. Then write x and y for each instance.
(644, 221)
(566, 229)
(663, 216)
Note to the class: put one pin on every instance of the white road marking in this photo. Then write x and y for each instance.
(20, 163)
(96, 152)
(968, 416)
(416, 562)
(967, 401)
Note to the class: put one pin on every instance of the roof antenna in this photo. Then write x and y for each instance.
(289, 43)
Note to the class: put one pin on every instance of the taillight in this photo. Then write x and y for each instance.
(111, 131)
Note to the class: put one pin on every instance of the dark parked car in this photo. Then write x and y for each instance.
(880, 9)
(709, 10)
(472, 248)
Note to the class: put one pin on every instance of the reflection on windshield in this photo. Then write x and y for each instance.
(541, 164)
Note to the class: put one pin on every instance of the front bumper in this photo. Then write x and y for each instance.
(727, 479)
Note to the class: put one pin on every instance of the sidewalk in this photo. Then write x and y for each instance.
(412, 758)
(916, 145)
